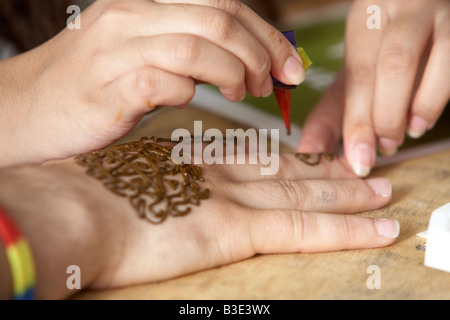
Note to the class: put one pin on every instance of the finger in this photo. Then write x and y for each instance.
(362, 46)
(281, 231)
(287, 65)
(434, 91)
(193, 57)
(322, 129)
(398, 64)
(290, 167)
(142, 90)
(222, 29)
(337, 196)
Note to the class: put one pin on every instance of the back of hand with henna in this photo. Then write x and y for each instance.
(145, 173)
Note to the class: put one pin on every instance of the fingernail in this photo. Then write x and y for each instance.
(267, 88)
(388, 228)
(293, 69)
(388, 147)
(417, 127)
(381, 186)
(242, 93)
(362, 159)
(231, 94)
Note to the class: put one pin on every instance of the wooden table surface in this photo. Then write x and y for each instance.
(420, 186)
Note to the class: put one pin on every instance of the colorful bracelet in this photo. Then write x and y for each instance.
(18, 253)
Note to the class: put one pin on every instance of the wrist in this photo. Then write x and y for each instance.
(60, 220)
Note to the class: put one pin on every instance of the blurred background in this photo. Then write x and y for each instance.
(292, 13)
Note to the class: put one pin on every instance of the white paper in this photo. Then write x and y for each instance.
(423, 234)
(437, 255)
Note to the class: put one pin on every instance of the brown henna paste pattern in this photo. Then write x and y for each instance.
(314, 159)
(144, 172)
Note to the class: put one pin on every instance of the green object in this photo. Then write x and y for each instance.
(307, 63)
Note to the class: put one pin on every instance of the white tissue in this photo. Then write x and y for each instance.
(437, 255)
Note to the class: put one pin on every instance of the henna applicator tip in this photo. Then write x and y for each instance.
(283, 92)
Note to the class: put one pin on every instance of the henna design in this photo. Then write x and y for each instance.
(314, 159)
(144, 172)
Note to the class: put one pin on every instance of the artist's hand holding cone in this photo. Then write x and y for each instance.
(395, 80)
(301, 209)
(93, 85)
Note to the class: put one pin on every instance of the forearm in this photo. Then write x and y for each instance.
(59, 222)
(17, 123)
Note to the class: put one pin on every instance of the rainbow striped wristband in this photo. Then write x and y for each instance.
(20, 259)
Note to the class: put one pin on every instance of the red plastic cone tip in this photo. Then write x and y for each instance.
(284, 102)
